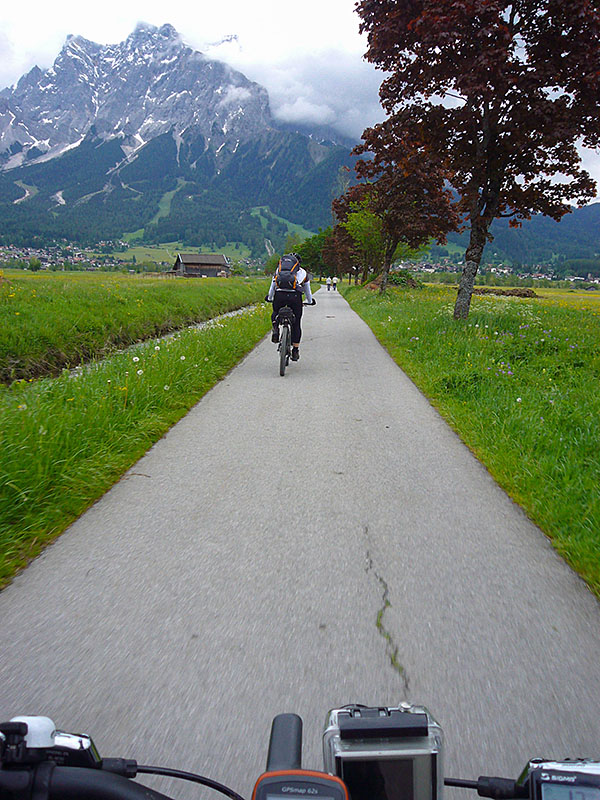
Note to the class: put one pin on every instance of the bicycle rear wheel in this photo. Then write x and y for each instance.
(284, 344)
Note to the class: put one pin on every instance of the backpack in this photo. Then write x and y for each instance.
(286, 276)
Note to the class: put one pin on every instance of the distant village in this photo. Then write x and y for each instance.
(67, 257)
(62, 257)
(535, 272)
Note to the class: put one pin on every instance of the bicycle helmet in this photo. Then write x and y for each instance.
(298, 257)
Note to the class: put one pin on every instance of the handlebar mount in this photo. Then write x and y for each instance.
(37, 762)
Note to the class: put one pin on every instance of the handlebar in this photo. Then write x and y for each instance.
(44, 764)
(52, 782)
(72, 783)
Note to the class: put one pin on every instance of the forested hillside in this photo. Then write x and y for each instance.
(541, 240)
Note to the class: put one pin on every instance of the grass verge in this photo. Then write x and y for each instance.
(518, 382)
(52, 321)
(66, 440)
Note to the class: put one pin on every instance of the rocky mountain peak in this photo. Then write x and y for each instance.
(138, 89)
(144, 32)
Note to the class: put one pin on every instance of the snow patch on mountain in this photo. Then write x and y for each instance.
(141, 88)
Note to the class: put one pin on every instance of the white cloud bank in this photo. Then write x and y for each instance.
(324, 86)
(306, 53)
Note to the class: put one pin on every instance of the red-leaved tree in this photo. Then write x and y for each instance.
(404, 185)
(502, 92)
(339, 253)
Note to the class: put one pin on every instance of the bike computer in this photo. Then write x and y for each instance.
(564, 780)
(285, 784)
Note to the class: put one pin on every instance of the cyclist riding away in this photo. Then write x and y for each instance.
(289, 283)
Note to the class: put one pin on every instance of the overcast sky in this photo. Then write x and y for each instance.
(307, 53)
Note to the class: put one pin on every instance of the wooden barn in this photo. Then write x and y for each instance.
(201, 265)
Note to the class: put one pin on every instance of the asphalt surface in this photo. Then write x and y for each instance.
(240, 569)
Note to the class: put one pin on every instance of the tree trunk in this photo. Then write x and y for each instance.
(477, 242)
(390, 249)
(384, 279)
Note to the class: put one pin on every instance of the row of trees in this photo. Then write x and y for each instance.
(487, 102)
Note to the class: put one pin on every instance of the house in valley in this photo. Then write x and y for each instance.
(201, 265)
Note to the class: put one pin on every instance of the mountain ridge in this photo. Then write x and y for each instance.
(100, 86)
(105, 132)
(91, 146)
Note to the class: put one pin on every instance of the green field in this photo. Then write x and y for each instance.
(292, 227)
(164, 205)
(166, 253)
(67, 439)
(51, 321)
(518, 381)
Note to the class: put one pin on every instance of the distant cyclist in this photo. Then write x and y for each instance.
(289, 283)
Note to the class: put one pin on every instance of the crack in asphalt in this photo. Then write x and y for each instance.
(391, 647)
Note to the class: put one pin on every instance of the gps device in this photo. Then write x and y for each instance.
(284, 776)
(385, 753)
(299, 783)
(564, 780)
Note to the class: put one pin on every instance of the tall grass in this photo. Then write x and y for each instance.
(52, 321)
(66, 440)
(519, 382)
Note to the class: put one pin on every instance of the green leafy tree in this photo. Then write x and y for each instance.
(272, 264)
(311, 252)
(387, 222)
(366, 230)
(292, 242)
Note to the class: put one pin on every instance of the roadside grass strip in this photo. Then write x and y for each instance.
(51, 321)
(519, 383)
(66, 440)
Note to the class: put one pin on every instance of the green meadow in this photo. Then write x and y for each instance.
(67, 438)
(518, 381)
(166, 253)
(51, 321)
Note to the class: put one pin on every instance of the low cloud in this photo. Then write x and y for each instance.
(235, 94)
(326, 87)
(302, 110)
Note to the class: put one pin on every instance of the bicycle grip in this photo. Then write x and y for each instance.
(285, 744)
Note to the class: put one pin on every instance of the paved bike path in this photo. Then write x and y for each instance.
(241, 567)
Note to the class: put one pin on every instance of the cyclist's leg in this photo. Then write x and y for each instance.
(278, 302)
(296, 306)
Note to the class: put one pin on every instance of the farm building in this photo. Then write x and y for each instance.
(201, 265)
